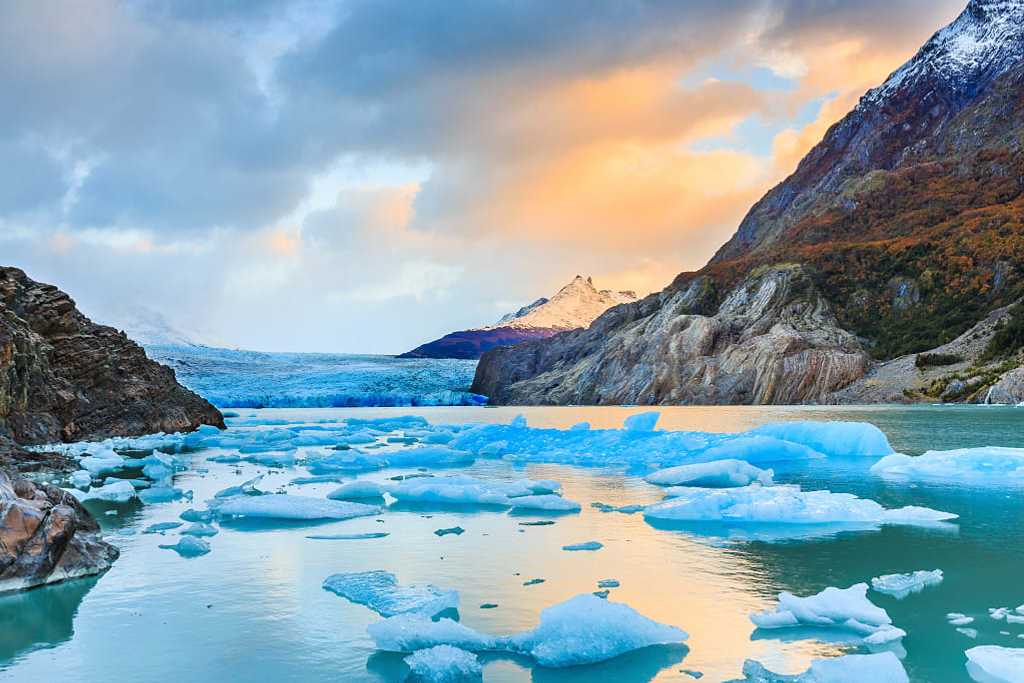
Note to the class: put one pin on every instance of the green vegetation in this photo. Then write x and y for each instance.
(1009, 336)
(934, 360)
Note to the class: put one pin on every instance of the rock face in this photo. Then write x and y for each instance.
(65, 378)
(46, 536)
(574, 306)
(1009, 389)
(773, 339)
(906, 223)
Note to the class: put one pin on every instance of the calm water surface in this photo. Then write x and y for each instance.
(254, 610)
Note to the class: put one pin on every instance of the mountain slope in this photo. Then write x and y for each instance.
(575, 306)
(907, 220)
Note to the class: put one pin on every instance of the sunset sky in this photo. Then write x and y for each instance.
(365, 176)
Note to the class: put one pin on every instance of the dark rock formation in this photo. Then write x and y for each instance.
(470, 344)
(64, 378)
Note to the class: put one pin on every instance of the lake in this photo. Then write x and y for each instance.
(254, 609)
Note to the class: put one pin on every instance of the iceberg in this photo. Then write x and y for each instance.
(902, 585)
(713, 474)
(758, 448)
(191, 515)
(547, 502)
(844, 609)
(641, 422)
(992, 466)
(586, 630)
(782, 505)
(959, 619)
(356, 490)
(411, 632)
(103, 461)
(462, 489)
(995, 664)
(189, 546)
(118, 492)
(161, 527)
(246, 488)
(428, 456)
(444, 664)
(831, 438)
(284, 506)
(163, 494)
(883, 667)
(342, 462)
(380, 591)
(81, 479)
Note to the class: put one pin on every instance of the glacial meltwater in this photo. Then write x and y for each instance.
(501, 549)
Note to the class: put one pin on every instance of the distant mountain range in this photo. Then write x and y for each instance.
(885, 268)
(575, 306)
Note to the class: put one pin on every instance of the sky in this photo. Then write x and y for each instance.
(363, 176)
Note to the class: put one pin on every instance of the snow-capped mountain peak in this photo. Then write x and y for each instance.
(575, 305)
(982, 43)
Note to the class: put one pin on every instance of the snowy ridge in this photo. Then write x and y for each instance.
(576, 305)
(985, 41)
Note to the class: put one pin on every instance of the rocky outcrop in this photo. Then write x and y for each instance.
(46, 536)
(772, 339)
(1009, 388)
(65, 378)
(574, 306)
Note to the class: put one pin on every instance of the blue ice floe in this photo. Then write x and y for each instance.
(989, 465)
(901, 585)
(995, 664)
(189, 546)
(380, 591)
(840, 609)
(360, 489)
(287, 507)
(714, 474)
(881, 667)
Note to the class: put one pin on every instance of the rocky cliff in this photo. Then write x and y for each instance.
(906, 224)
(64, 378)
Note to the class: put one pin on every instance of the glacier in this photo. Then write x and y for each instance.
(250, 379)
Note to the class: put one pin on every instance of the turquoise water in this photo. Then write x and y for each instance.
(253, 609)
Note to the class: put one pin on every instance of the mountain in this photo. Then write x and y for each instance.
(575, 306)
(899, 233)
(151, 328)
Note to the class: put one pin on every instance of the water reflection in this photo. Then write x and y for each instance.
(40, 618)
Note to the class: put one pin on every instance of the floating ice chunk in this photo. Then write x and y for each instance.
(783, 505)
(980, 466)
(588, 545)
(161, 527)
(714, 474)
(341, 462)
(518, 422)
(380, 591)
(428, 456)
(189, 546)
(994, 664)
(548, 502)
(444, 664)
(163, 494)
(831, 438)
(846, 609)
(349, 537)
(463, 489)
(191, 515)
(356, 490)
(283, 506)
(438, 437)
(883, 667)
(608, 583)
(246, 488)
(958, 619)
(759, 449)
(587, 629)
(81, 479)
(102, 462)
(411, 632)
(902, 585)
(199, 529)
(971, 633)
(118, 492)
(450, 531)
(641, 422)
